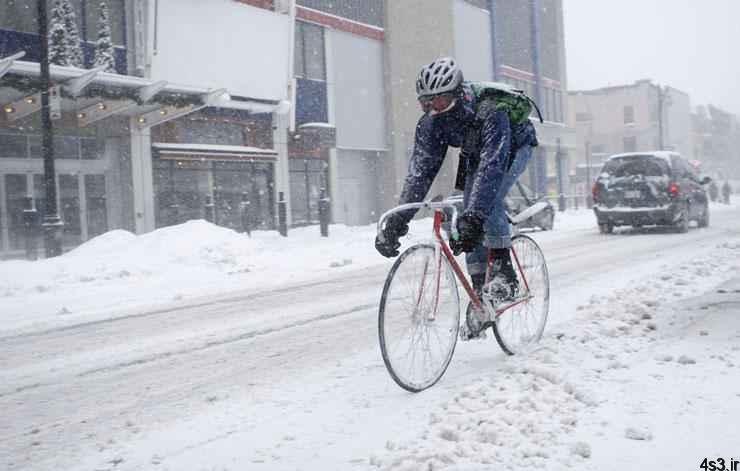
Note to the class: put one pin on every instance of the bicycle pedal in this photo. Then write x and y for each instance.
(466, 334)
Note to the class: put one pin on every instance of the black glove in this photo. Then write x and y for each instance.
(470, 233)
(386, 242)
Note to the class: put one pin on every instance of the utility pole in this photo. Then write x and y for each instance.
(52, 224)
(540, 153)
(561, 178)
(664, 101)
(495, 59)
(589, 195)
(660, 117)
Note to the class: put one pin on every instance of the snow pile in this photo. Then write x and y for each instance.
(527, 416)
(118, 269)
(534, 412)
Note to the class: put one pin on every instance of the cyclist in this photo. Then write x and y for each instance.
(494, 153)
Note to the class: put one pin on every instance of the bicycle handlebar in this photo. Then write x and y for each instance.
(424, 205)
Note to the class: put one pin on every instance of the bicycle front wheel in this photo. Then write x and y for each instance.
(520, 326)
(419, 318)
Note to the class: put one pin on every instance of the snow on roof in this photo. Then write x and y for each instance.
(210, 148)
(64, 73)
(663, 154)
(316, 125)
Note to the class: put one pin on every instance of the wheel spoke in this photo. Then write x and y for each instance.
(417, 350)
(522, 325)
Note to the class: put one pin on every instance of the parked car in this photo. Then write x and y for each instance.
(519, 199)
(649, 188)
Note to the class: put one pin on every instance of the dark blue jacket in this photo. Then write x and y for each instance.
(488, 145)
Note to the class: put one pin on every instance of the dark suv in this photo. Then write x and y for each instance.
(649, 188)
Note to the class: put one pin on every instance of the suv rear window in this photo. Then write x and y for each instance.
(640, 165)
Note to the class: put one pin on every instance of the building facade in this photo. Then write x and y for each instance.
(716, 141)
(631, 118)
(338, 57)
(90, 159)
(180, 130)
(316, 101)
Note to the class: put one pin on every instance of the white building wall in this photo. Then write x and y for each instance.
(222, 44)
(679, 134)
(473, 41)
(357, 79)
(357, 109)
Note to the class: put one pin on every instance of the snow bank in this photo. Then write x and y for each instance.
(120, 270)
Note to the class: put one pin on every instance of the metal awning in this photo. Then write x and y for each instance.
(98, 95)
(180, 151)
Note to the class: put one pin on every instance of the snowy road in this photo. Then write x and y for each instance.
(288, 378)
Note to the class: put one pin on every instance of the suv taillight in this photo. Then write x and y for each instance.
(595, 192)
(673, 189)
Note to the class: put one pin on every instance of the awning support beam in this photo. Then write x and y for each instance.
(107, 108)
(7, 62)
(75, 86)
(167, 113)
(148, 92)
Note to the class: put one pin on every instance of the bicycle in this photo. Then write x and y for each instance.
(419, 314)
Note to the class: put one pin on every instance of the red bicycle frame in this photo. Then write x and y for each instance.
(439, 217)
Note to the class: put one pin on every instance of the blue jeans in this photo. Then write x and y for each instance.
(496, 227)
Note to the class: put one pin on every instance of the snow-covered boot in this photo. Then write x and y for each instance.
(503, 285)
(474, 326)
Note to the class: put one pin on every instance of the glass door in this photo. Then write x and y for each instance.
(16, 189)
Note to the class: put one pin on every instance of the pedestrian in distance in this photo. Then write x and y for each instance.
(713, 191)
(726, 192)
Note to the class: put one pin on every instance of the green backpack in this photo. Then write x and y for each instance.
(517, 105)
(513, 101)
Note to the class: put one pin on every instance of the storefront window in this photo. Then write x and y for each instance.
(116, 15)
(181, 189)
(97, 214)
(309, 51)
(89, 149)
(39, 194)
(307, 178)
(19, 15)
(66, 147)
(69, 209)
(15, 191)
(13, 146)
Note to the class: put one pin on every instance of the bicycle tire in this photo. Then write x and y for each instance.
(407, 284)
(536, 309)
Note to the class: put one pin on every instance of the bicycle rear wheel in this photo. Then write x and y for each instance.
(522, 325)
(419, 318)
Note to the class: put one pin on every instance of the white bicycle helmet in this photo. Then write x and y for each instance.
(441, 76)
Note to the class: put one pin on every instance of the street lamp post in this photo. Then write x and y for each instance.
(589, 194)
(52, 224)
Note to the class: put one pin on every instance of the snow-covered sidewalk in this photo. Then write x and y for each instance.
(119, 271)
(645, 378)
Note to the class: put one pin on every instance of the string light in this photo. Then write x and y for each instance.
(9, 109)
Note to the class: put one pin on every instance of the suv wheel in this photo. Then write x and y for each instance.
(682, 224)
(704, 219)
(606, 228)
